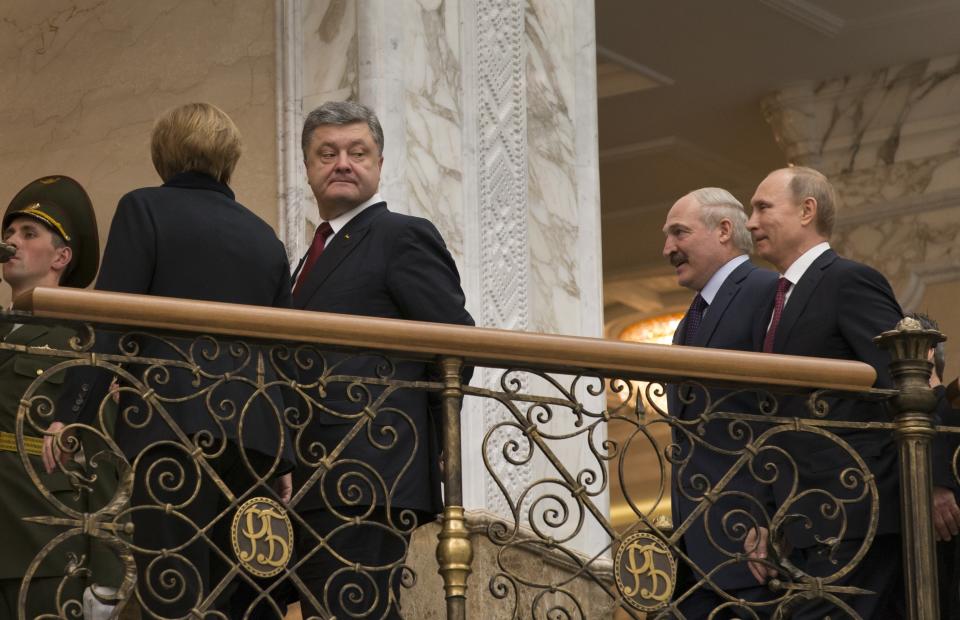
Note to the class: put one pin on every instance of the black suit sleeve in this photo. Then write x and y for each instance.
(284, 297)
(127, 267)
(867, 308)
(945, 444)
(130, 255)
(423, 278)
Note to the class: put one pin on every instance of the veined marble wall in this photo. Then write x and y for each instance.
(83, 81)
(317, 61)
(890, 142)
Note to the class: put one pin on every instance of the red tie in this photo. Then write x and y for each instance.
(316, 249)
(783, 285)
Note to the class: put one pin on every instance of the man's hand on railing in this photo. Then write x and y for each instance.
(756, 545)
(51, 451)
(946, 513)
(284, 487)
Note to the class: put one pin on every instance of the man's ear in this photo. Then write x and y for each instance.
(62, 258)
(808, 211)
(726, 230)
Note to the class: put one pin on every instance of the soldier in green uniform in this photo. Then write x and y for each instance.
(51, 224)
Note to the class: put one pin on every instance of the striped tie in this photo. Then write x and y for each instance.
(783, 285)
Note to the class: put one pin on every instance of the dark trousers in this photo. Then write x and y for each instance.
(948, 573)
(181, 556)
(329, 568)
(703, 602)
(880, 571)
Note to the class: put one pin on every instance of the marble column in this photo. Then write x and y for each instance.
(890, 141)
(489, 113)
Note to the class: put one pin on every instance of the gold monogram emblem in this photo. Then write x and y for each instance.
(645, 571)
(262, 536)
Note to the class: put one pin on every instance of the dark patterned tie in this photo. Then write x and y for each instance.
(783, 285)
(694, 318)
(316, 249)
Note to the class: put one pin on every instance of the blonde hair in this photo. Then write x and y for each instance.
(195, 137)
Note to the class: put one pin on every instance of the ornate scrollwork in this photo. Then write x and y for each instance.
(330, 413)
(721, 456)
(729, 463)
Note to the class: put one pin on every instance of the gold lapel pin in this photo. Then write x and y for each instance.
(346, 236)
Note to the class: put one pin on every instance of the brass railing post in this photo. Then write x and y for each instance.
(454, 549)
(909, 345)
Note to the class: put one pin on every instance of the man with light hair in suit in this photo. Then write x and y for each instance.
(708, 244)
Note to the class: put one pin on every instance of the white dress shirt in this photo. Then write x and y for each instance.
(341, 220)
(799, 267)
(709, 292)
(335, 225)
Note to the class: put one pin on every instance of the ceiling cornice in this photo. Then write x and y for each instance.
(808, 14)
(606, 53)
(899, 16)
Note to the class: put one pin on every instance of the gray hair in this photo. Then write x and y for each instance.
(340, 113)
(716, 205)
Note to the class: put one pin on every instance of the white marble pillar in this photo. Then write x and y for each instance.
(489, 114)
(316, 62)
(888, 139)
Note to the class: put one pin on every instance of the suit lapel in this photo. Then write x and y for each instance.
(296, 272)
(728, 290)
(678, 333)
(344, 242)
(800, 297)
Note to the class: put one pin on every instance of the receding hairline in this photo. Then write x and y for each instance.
(313, 133)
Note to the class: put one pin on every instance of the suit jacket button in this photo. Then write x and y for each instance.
(76, 408)
(39, 371)
(85, 387)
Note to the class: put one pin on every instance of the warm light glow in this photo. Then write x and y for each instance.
(657, 329)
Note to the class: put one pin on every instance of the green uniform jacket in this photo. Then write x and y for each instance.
(20, 541)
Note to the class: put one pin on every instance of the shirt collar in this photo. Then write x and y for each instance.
(799, 267)
(709, 291)
(341, 220)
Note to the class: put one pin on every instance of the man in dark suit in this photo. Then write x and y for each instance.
(826, 306)
(707, 242)
(365, 260)
(946, 511)
(51, 225)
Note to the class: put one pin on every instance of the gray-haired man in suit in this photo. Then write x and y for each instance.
(708, 243)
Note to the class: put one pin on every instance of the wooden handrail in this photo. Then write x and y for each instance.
(478, 346)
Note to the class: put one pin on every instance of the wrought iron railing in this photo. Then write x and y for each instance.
(297, 375)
